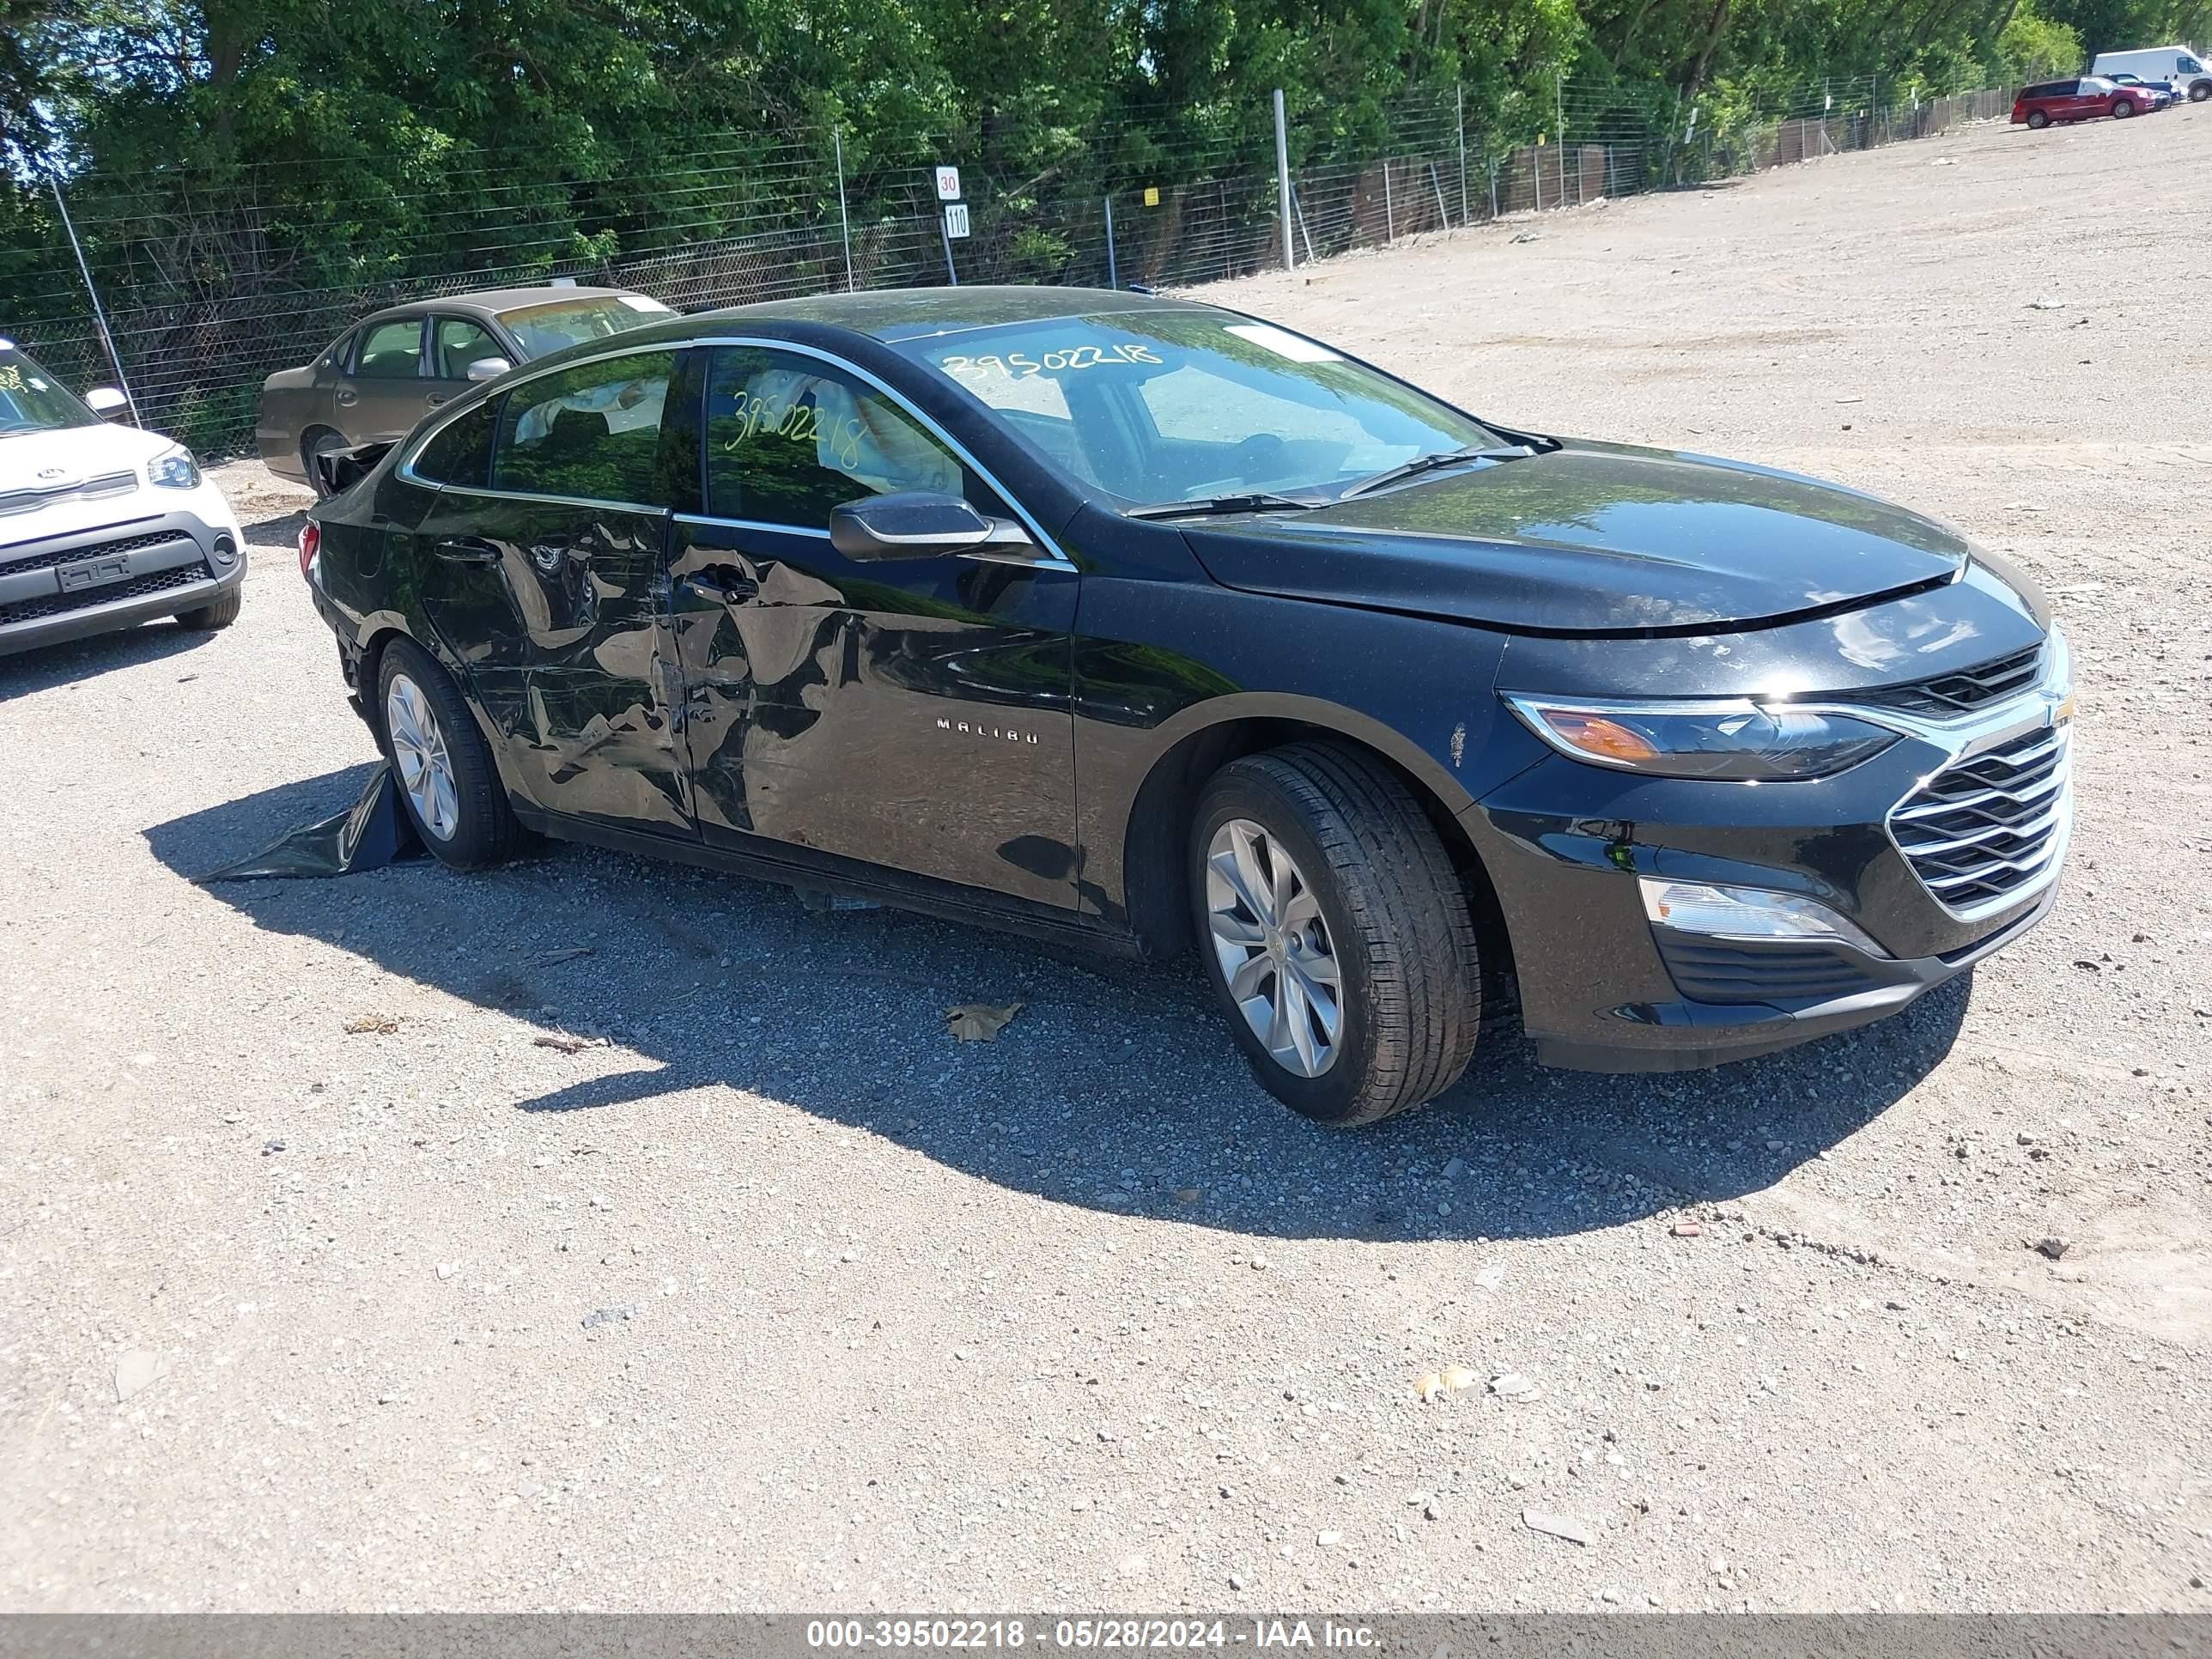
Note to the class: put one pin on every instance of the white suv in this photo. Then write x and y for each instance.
(102, 527)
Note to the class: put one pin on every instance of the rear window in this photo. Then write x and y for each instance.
(540, 329)
(590, 433)
(391, 351)
(461, 453)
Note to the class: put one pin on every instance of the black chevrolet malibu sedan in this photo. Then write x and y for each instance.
(1112, 618)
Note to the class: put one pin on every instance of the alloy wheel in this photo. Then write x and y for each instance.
(418, 747)
(1274, 947)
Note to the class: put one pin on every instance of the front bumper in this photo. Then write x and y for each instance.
(117, 575)
(1691, 1034)
(1605, 987)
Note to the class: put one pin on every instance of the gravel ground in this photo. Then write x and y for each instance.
(773, 1296)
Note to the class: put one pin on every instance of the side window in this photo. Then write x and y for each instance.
(460, 343)
(391, 351)
(2188, 66)
(460, 452)
(593, 431)
(789, 437)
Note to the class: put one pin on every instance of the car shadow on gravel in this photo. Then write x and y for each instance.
(47, 666)
(282, 531)
(1115, 1088)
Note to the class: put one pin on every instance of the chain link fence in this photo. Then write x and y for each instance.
(208, 290)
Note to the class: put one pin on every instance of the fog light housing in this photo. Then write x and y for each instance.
(226, 551)
(1719, 911)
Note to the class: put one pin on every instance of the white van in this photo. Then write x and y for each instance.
(2182, 65)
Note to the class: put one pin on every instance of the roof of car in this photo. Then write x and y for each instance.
(906, 313)
(492, 301)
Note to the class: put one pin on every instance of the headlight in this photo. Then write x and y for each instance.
(1735, 738)
(173, 469)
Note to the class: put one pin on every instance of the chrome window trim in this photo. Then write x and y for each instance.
(708, 519)
(640, 507)
(1057, 560)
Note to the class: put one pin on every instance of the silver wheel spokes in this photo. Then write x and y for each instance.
(1274, 947)
(418, 747)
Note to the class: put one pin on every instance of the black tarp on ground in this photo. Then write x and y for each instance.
(374, 831)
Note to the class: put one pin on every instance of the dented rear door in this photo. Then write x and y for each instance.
(549, 582)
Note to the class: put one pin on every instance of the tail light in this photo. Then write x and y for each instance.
(311, 543)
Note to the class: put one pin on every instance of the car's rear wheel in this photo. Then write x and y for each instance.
(2122, 108)
(316, 445)
(2037, 120)
(1336, 933)
(221, 614)
(445, 768)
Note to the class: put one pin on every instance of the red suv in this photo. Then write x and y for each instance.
(2080, 100)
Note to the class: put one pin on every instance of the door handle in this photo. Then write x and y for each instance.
(725, 584)
(434, 398)
(347, 397)
(467, 550)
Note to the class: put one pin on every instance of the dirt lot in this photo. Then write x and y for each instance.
(293, 1317)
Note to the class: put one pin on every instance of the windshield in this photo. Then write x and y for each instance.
(546, 328)
(31, 400)
(1159, 407)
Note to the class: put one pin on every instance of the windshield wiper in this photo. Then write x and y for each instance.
(1212, 504)
(1421, 463)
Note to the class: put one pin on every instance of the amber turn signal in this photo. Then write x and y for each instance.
(1595, 734)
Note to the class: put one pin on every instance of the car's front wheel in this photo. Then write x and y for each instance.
(220, 614)
(1336, 932)
(2122, 108)
(2037, 120)
(443, 767)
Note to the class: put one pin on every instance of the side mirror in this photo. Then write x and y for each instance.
(107, 402)
(488, 368)
(911, 524)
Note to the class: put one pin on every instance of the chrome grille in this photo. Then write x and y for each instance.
(30, 500)
(1970, 688)
(1991, 827)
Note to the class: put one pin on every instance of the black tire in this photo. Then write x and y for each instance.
(220, 614)
(485, 831)
(318, 442)
(2037, 120)
(2199, 91)
(1397, 924)
(2122, 108)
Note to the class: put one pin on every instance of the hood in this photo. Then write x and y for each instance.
(55, 482)
(81, 452)
(1593, 538)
